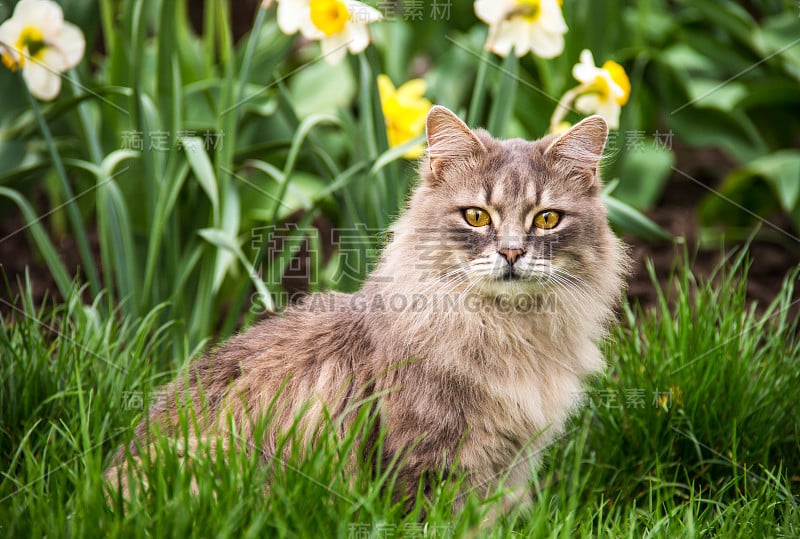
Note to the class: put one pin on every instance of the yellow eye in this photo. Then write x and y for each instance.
(476, 216)
(546, 219)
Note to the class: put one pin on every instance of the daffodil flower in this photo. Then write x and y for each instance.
(339, 25)
(607, 88)
(524, 26)
(602, 90)
(404, 112)
(37, 40)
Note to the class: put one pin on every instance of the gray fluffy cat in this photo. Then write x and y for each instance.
(476, 328)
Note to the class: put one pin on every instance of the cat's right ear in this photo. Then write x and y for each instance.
(581, 147)
(450, 142)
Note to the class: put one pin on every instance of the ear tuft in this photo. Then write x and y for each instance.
(450, 141)
(582, 146)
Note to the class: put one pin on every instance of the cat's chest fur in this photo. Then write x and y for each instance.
(523, 373)
(530, 367)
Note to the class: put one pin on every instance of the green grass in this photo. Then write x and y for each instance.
(718, 458)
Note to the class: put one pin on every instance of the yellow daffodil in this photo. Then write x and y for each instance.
(605, 89)
(404, 112)
(524, 25)
(339, 25)
(37, 40)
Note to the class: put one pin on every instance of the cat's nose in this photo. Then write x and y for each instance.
(511, 255)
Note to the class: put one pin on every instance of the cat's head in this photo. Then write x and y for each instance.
(512, 215)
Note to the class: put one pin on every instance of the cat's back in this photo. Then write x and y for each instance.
(323, 332)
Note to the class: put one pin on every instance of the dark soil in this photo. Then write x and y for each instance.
(676, 211)
(18, 255)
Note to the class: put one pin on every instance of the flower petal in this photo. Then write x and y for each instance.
(357, 37)
(607, 108)
(385, 86)
(308, 28)
(291, 14)
(546, 44)
(493, 11)
(585, 71)
(69, 41)
(610, 110)
(43, 83)
(334, 48)
(513, 33)
(45, 15)
(412, 90)
(53, 59)
(615, 89)
(9, 33)
(587, 103)
(551, 17)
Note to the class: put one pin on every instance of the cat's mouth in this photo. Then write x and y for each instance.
(510, 275)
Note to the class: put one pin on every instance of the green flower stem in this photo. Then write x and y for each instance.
(477, 101)
(72, 206)
(565, 105)
(545, 69)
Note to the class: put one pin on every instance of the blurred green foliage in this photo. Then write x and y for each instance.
(727, 76)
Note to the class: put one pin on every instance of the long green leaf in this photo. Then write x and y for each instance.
(203, 171)
(166, 202)
(167, 67)
(503, 105)
(341, 181)
(782, 171)
(631, 220)
(252, 40)
(476, 103)
(221, 239)
(393, 154)
(297, 143)
(231, 212)
(117, 239)
(76, 220)
(25, 125)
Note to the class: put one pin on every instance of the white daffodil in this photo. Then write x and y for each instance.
(37, 40)
(339, 25)
(524, 25)
(604, 90)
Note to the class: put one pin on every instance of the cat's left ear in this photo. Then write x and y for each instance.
(582, 146)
